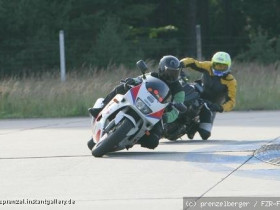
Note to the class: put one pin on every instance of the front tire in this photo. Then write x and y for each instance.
(115, 136)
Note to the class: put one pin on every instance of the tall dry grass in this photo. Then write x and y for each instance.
(258, 86)
(47, 96)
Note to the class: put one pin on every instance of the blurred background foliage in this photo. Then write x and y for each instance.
(99, 33)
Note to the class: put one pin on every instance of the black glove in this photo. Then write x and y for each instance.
(215, 107)
(130, 81)
(182, 65)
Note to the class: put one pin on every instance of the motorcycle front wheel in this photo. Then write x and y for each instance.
(115, 136)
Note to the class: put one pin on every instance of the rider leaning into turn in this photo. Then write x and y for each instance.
(219, 87)
(168, 71)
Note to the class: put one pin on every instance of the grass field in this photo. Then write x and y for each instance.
(46, 96)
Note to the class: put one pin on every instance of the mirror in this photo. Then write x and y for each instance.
(142, 66)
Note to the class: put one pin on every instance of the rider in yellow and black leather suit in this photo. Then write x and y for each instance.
(219, 87)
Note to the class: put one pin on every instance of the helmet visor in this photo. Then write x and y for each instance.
(220, 66)
(171, 75)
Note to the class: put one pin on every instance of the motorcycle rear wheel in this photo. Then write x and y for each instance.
(113, 139)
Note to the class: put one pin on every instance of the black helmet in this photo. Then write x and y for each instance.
(168, 68)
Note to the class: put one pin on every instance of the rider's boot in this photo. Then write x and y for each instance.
(191, 134)
(94, 111)
(204, 133)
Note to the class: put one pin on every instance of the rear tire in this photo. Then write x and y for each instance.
(113, 139)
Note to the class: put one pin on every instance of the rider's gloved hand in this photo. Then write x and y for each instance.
(182, 65)
(130, 81)
(133, 81)
(187, 62)
(215, 107)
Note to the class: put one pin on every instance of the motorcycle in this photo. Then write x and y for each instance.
(126, 118)
(188, 120)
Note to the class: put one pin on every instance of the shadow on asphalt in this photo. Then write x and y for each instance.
(195, 157)
(216, 161)
(222, 152)
(231, 142)
(207, 155)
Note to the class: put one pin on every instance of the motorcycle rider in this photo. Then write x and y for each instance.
(168, 71)
(219, 87)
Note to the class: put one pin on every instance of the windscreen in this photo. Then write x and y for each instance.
(157, 88)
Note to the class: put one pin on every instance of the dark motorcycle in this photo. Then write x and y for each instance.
(188, 119)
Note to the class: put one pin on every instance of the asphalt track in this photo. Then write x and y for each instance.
(47, 161)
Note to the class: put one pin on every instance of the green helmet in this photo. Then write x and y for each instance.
(221, 63)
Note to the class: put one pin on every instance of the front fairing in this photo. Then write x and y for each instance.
(154, 93)
(157, 88)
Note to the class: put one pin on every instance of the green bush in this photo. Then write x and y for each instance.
(261, 49)
(110, 46)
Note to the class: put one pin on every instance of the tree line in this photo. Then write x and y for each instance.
(99, 33)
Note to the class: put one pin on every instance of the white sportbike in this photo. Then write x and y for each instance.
(127, 118)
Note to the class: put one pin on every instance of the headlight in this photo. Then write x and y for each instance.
(142, 106)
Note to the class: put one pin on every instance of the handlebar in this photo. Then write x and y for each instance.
(126, 85)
